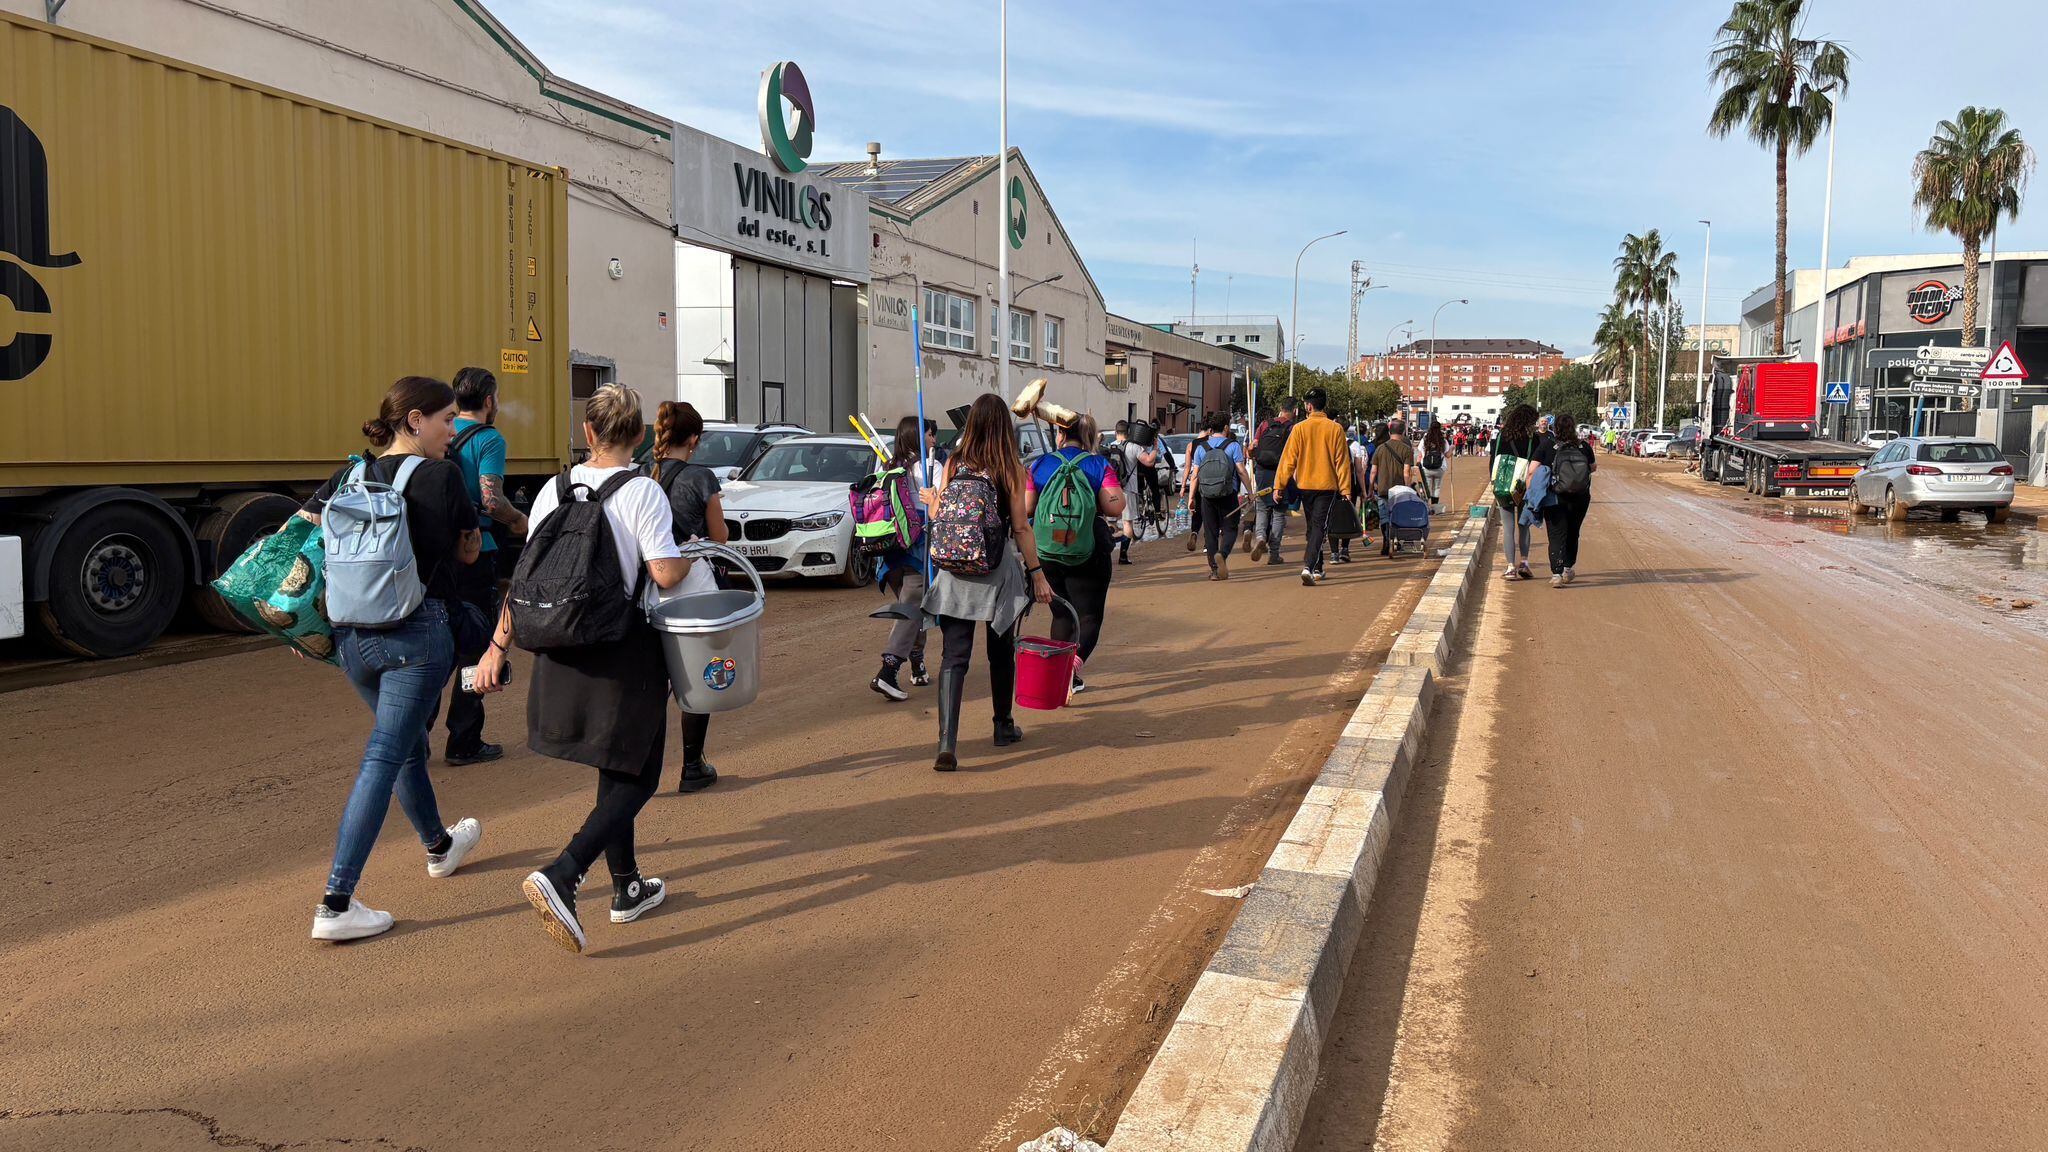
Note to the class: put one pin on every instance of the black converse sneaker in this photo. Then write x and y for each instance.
(919, 678)
(635, 897)
(885, 682)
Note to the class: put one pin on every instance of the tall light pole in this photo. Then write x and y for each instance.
(1003, 194)
(1820, 306)
(1294, 319)
(1387, 345)
(1699, 369)
(1429, 373)
(1358, 292)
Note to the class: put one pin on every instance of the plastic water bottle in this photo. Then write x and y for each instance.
(1181, 519)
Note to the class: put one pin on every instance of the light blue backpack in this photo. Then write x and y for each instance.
(372, 579)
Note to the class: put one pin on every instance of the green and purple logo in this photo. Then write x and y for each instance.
(1016, 207)
(786, 134)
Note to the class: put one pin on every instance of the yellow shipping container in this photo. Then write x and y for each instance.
(206, 286)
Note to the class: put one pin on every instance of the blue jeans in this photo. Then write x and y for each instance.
(399, 672)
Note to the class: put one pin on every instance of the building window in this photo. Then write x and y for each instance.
(1251, 339)
(1053, 341)
(1018, 335)
(948, 321)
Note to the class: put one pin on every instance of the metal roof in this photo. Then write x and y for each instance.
(895, 180)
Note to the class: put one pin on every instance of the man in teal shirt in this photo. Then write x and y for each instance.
(479, 450)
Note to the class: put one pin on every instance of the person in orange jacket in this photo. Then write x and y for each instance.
(1317, 461)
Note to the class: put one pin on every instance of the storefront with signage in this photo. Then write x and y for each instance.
(1893, 335)
(1167, 378)
(770, 262)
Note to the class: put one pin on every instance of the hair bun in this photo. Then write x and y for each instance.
(376, 431)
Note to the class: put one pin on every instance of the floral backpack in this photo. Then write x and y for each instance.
(968, 530)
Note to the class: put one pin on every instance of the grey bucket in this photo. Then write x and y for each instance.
(712, 640)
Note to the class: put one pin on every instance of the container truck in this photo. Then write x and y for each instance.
(1763, 419)
(208, 286)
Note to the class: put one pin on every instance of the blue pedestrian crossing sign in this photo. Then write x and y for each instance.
(1838, 392)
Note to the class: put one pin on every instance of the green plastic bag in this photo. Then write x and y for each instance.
(280, 586)
(1507, 477)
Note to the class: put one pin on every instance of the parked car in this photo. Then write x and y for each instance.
(1950, 473)
(1686, 443)
(1656, 444)
(727, 449)
(1876, 438)
(788, 513)
(1636, 436)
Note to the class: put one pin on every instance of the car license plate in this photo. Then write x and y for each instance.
(751, 549)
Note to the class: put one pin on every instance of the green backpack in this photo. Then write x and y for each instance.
(1064, 524)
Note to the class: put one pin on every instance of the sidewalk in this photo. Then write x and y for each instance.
(2029, 504)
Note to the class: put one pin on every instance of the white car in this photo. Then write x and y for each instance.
(1876, 438)
(1657, 444)
(788, 512)
(727, 449)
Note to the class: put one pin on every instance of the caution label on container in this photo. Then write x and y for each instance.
(532, 330)
(512, 361)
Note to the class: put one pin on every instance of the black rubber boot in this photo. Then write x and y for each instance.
(950, 685)
(1002, 686)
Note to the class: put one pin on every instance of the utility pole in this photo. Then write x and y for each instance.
(1003, 197)
(1699, 371)
(1194, 274)
(1351, 342)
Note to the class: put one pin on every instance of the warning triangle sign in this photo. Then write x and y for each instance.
(2004, 365)
(532, 330)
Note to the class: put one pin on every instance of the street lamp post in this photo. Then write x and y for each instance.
(1820, 306)
(1294, 319)
(1699, 368)
(1429, 372)
(1387, 344)
(1664, 352)
(1003, 198)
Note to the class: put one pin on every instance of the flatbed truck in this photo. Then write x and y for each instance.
(1762, 412)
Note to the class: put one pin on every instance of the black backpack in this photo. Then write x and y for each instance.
(1272, 442)
(1571, 470)
(568, 590)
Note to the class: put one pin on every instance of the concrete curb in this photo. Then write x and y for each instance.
(1237, 1068)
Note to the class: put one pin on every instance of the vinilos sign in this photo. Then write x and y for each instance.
(749, 204)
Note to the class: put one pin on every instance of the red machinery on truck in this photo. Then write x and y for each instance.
(1763, 410)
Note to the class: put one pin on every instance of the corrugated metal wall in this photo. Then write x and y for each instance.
(255, 269)
(796, 337)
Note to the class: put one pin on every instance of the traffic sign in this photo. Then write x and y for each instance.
(2004, 366)
(1944, 388)
(1952, 355)
(1838, 392)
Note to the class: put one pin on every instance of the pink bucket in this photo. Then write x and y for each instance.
(1045, 667)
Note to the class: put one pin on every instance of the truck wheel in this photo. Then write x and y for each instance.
(1998, 515)
(116, 579)
(239, 521)
(1893, 510)
(860, 570)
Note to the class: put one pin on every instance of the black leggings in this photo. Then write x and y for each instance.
(608, 830)
(1002, 658)
(1561, 524)
(1086, 587)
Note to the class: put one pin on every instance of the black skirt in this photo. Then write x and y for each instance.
(605, 705)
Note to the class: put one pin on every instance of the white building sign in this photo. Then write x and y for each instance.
(736, 200)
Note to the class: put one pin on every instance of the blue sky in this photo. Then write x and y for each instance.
(1495, 150)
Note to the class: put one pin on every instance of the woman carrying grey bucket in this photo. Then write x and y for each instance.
(398, 667)
(979, 520)
(605, 703)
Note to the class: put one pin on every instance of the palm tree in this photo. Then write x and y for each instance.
(1972, 172)
(1644, 273)
(1612, 340)
(1774, 85)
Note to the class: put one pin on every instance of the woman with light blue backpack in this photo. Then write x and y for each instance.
(395, 530)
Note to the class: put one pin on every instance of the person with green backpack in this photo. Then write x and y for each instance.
(1514, 455)
(1068, 493)
(1221, 474)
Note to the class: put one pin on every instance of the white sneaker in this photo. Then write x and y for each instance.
(359, 922)
(1557, 580)
(1570, 575)
(465, 835)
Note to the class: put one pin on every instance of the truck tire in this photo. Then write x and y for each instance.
(116, 579)
(1709, 468)
(1893, 510)
(239, 521)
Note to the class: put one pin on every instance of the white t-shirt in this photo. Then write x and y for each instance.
(643, 527)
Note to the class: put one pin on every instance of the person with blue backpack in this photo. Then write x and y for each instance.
(1219, 473)
(395, 530)
(1068, 494)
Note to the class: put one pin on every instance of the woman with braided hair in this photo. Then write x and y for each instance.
(699, 515)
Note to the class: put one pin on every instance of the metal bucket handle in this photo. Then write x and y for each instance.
(704, 549)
